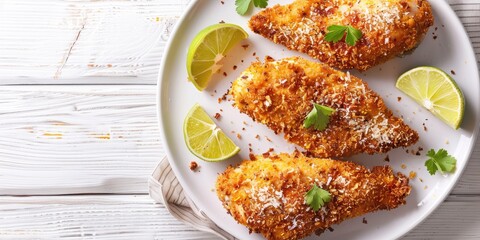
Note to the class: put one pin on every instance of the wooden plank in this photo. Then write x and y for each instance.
(82, 42)
(90, 139)
(93, 139)
(90, 217)
(136, 217)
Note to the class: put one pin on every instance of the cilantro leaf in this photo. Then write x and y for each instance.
(337, 32)
(260, 3)
(353, 35)
(244, 5)
(440, 161)
(316, 197)
(319, 117)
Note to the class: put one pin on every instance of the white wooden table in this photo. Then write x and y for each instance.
(78, 127)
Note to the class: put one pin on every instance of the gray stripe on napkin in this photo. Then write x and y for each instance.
(164, 188)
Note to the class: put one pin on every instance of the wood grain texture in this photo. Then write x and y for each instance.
(89, 217)
(64, 140)
(82, 42)
(136, 217)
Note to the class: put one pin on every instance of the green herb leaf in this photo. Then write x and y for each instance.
(337, 32)
(353, 35)
(319, 117)
(260, 3)
(316, 197)
(244, 5)
(440, 161)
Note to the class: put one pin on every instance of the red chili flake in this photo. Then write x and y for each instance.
(252, 157)
(225, 74)
(399, 99)
(235, 67)
(245, 46)
(193, 165)
(223, 98)
(217, 116)
(453, 72)
(387, 159)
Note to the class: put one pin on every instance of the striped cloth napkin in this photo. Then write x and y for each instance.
(164, 187)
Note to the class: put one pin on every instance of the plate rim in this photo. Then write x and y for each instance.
(161, 123)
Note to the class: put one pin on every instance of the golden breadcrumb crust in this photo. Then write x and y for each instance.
(390, 28)
(281, 93)
(268, 194)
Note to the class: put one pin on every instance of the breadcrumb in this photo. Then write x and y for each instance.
(390, 28)
(361, 122)
(268, 194)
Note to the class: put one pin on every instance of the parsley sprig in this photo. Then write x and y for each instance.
(336, 33)
(244, 5)
(440, 161)
(316, 197)
(319, 117)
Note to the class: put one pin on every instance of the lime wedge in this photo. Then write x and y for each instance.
(204, 139)
(436, 91)
(208, 48)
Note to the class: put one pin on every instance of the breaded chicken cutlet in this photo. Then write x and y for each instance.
(281, 93)
(390, 28)
(268, 194)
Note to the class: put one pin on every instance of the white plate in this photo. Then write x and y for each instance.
(451, 50)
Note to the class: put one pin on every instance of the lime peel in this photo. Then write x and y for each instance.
(435, 90)
(207, 50)
(205, 139)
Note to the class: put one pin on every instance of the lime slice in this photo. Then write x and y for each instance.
(208, 48)
(436, 91)
(204, 139)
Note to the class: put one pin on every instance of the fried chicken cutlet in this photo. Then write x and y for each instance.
(390, 28)
(281, 93)
(268, 194)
